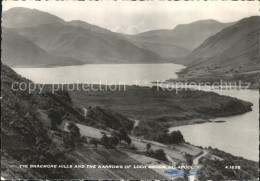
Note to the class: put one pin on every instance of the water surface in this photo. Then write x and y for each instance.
(128, 74)
(238, 135)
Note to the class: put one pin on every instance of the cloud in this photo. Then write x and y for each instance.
(126, 29)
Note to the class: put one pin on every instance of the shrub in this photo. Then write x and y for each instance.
(114, 140)
(55, 118)
(189, 159)
(122, 135)
(72, 136)
(160, 154)
(74, 130)
(174, 137)
(68, 140)
(105, 141)
(148, 146)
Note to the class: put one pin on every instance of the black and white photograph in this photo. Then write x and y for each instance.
(130, 90)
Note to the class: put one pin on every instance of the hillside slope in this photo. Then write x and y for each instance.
(229, 53)
(28, 138)
(18, 51)
(231, 42)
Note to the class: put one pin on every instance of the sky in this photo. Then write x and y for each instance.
(132, 17)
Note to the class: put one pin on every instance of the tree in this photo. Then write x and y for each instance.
(71, 136)
(68, 140)
(105, 141)
(128, 140)
(176, 137)
(148, 146)
(160, 154)
(74, 130)
(55, 118)
(114, 140)
(189, 159)
(180, 137)
(122, 135)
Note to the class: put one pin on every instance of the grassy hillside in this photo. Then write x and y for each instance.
(18, 50)
(28, 137)
(231, 54)
(215, 169)
(144, 103)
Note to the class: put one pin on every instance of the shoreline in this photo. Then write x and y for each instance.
(199, 121)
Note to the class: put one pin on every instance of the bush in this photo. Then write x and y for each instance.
(114, 140)
(122, 135)
(160, 154)
(174, 137)
(150, 153)
(68, 140)
(189, 159)
(55, 118)
(105, 141)
(148, 146)
(72, 136)
(74, 130)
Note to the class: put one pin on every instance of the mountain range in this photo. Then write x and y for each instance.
(75, 40)
(179, 41)
(86, 45)
(37, 39)
(235, 45)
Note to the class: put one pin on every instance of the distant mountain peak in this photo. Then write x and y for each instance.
(19, 17)
(206, 22)
(83, 24)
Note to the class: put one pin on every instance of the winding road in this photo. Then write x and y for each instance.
(196, 165)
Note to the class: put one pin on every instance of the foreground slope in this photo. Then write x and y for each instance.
(28, 138)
